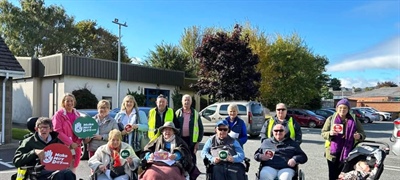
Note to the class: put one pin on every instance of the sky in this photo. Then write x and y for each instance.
(360, 38)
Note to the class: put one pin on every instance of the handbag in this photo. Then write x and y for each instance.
(116, 171)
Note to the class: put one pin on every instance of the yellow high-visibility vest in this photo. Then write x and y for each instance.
(196, 124)
(290, 125)
(169, 117)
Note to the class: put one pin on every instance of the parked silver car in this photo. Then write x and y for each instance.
(383, 116)
(251, 112)
(370, 116)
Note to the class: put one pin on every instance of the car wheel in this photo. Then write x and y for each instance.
(312, 124)
(381, 118)
(85, 153)
(368, 120)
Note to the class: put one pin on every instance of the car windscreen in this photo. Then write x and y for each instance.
(310, 112)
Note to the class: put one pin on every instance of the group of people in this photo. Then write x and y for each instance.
(167, 141)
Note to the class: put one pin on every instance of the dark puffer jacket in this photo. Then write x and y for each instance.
(284, 151)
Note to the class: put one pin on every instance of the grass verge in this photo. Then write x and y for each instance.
(19, 134)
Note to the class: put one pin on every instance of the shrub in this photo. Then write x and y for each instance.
(85, 99)
(140, 98)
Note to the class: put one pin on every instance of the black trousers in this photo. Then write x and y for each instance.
(334, 168)
(228, 171)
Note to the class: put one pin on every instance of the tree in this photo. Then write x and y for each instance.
(190, 40)
(35, 30)
(96, 42)
(291, 73)
(177, 99)
(386, 84)
(228, 67)
(325, 93)
(167, 56)
(335, 84)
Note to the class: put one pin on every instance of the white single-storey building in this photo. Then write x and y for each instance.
(46, 80)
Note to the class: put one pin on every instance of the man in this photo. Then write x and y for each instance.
(160, 115)
(288, 123)
(191, 125)
(279, 155)
(30, 152)
(225, 153)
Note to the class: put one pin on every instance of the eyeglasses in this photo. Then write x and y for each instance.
(278, 130)
(44, 127)
(280, 109)
(222, 129)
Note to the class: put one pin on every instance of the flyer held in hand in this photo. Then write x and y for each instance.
(85, 127)
(57, 156)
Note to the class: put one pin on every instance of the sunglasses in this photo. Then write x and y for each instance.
(278, 130)
(222, 129)
(281, 110)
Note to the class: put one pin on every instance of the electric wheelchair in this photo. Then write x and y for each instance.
(245, 166)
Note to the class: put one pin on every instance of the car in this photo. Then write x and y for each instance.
(370, 116)
(359, 114)
(324, 112)
(252, 113)
(383, 116)
(396, 137)
(306, 117)
(93, 112)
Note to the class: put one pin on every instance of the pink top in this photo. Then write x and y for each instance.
(186, 120)
(62, 123)
(71, 116)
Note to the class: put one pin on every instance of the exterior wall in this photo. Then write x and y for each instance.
(50, 84)
(8, 109)
(22, 100)
(108, 88)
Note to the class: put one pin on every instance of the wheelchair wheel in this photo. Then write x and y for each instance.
(301, 175)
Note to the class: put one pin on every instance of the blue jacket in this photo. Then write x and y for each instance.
(238, 126)
(284, 151)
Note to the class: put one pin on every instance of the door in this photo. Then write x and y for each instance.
(209, 118)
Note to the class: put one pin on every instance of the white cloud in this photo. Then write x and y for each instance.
(377, 9)
(362, 82)
(382, 56)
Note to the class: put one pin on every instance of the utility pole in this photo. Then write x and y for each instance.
(119, 58)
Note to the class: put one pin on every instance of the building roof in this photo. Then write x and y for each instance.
(7, 59)
(384, 91)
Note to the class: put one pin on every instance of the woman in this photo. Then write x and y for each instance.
(279, 155)
(236, 125)
(341, 132)
(281, 118)
(114, 160)
(62, 121)
(133, 124)
(106, 124)
(167, 148)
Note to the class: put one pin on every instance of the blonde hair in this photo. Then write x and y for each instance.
(103, 103)
(114, 133)
(127, 98)
(65, 98)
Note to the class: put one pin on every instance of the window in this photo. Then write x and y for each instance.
(223, 110)
(210, 111)
(256, 109)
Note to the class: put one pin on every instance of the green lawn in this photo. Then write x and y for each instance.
(19, 134)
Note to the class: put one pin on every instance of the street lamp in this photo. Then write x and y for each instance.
(119, 57)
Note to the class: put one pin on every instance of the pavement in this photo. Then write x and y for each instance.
(14, 143)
